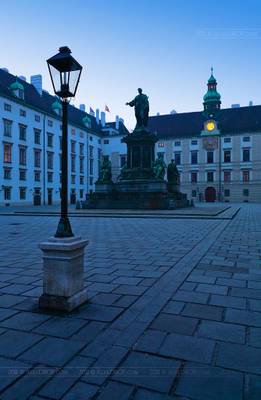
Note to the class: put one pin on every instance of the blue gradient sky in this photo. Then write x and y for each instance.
(166, 47)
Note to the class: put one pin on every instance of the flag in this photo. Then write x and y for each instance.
(107, 108)
(92, 111)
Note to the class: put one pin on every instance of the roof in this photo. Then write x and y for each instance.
(44, 102)
(230, 120)
(16, 85)
(122, 128)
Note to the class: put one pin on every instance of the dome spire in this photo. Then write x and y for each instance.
(212, 97)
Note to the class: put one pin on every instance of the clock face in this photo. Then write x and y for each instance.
(210, 126)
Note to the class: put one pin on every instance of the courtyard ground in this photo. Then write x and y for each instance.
(174, 310)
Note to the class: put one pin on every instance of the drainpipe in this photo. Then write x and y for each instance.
(44, 174)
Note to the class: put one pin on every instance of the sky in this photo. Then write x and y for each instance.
(166, 47)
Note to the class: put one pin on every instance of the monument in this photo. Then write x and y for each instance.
(141, 184)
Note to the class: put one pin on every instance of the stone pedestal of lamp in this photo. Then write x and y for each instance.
(63, 274)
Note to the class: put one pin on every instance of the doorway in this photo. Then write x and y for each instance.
(210, 194)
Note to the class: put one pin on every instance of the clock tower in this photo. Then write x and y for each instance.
(211, 99)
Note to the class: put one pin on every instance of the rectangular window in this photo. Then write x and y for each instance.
(194, 157)
(22, 113)
(81, 180)
(73, 166)
(7, 152)
(91, 138)
(73, 146)
(91, 166)
(81, 165)
(22, 174)
(227, 140)
(91, 151)
(7, 193)
(7, 173)
(49, 139)
(73, 131)
(37, 136)
(7, 128)
(245, 192)
(91, 180)
(194, 177)
(22, 155)
(37, 176)
(177, 143)
(37, 118)
(81, 146)
(22, 192)
(37, 158)
(246, 139)
(210, 176)
(246, 155)
(227, 176)
(49, 160)
(106, 141)
(7, 107)
(210, 157)
(50, 123)
(81, 193)
(226, 192)
(245, 176)
(50, 177)
(227, 156)
(177, 158)
(123, 161)
(194, 142)
(22, 132)
(73, 179)
(194, 193)
(81, 134)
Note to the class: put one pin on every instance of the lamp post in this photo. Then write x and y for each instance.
(63, 254)
(65, 74)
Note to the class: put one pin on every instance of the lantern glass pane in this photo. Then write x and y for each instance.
(56, 79)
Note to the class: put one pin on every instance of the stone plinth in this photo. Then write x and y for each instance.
(63, 268)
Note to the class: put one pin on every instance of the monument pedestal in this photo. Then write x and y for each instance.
(63, 274)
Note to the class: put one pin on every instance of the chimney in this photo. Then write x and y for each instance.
(82, 107)
(23, 78)
(97, 115)
(158, 114)
(117, 122)
(103, 119)
(250, 103)
(36, 81)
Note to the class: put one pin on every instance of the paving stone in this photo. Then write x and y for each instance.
(244, 292)
(52, 351)
(81, 391)
(25, 321)
(11, 370)
(254, 305)
(222, 331)
(255, 337)
(227, 301)
(60, 327)
(13, 343)
(116, 390)
(143, 394)
(188, 286)
(148, 371)
(5, 313)
(96, 312)
(201, 279)
(125, 301)
(151, 341)
(102, 287)
(253, 389)
(175, 324)
(250, 318)
(215, 289)
(173, 307)
(203, 311)
(9, 300)
(239, 357)
(105, 299)
(210, 383)
(122, 280)
(131, 290)
(231, 282)
(188, 348)
(192, 297)
(15, 289)
(89, 332)
(130, 335)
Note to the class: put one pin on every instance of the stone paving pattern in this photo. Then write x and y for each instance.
(174, 311)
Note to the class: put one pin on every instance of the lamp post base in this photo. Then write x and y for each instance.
(64, 228)
(63, 274)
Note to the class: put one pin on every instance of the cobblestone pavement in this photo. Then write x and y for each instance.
(174, 311)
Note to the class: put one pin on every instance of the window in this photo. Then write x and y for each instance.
(7, 193)
(91, 138)
(22, 155)
(81, 180)
(245, 192)
(22, 132)
(22, 174)
(49, 122)
(91, 180)
(49, 160)
(7, 128)
(49, 140)
(81, 134)
(50, 177)
(227, 176)
(227, 140)
(91, 151)
(73, 166)
(246, 139)
(37, 136)
(210, 157)
(91, 166)
(246, 155)
(73, 146)
(194, 142)
(7, 152)
(7, 173)
(123, 161)
(194, 177)
(73, 131)
(227, 156)
(210, 176)
(226, 192)
(177, 158)
(161, 144)
(194, 193)
(37, 118)
(73, 179)
(245, 176)
(37, 158)
(81, 146)
(7, 107)
(81, 193)
(178, 143)
(22, 192)
(106, 141)
(22, 113)
(37, 176)
(194, 157)
(81, 165)
(99, 141)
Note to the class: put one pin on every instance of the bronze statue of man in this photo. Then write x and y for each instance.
(141, 105)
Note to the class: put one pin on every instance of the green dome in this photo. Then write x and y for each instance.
(86, 120)
(212, 79)
(212, 95)
(16, 86)
(56, 105)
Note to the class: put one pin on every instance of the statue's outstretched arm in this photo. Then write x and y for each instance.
(131, 103)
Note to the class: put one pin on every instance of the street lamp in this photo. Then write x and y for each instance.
(65, 74)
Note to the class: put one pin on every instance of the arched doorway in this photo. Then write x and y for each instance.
(210, 194)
